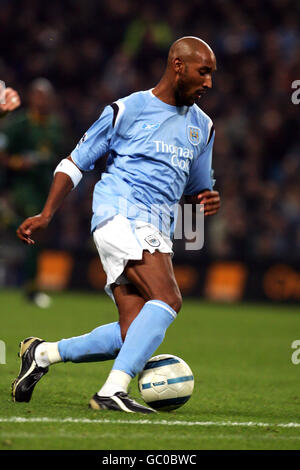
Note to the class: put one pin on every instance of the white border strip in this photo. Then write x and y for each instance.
(252, 424)
(121, 106)
(165, 307)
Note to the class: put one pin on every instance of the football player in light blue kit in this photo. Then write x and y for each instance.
(160, 147)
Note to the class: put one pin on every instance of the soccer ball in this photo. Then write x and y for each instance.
(166, 382)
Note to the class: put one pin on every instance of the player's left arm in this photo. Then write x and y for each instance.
(211, 201)
(199, 189)
(209, 198)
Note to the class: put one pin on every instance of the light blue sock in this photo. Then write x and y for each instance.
(101, 344)
(143, 337)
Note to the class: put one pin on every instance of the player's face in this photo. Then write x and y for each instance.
(194, 79)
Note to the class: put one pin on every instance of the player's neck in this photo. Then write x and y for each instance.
(164, 92)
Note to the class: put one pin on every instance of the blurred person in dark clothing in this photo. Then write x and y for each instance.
(30, 141)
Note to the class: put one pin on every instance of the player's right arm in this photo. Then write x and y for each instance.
(94, 144)
(61, 186)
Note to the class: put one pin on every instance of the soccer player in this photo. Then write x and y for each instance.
(160, 147)
(11, 101)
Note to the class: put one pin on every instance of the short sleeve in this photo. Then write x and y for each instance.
(95, 142)
(201, 173)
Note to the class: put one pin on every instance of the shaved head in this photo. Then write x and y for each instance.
(189, 48)
(188, 74)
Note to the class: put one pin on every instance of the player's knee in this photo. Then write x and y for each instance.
(176, 302)
(173, 299)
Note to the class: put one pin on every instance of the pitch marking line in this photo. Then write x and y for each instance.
(249, 424)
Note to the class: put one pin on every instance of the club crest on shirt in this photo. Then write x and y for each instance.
(194, 135)
(152, 240)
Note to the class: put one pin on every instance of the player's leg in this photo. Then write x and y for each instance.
(129, 302)
(102, 343)
(154, 278)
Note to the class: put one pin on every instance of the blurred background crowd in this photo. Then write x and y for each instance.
(69, 59)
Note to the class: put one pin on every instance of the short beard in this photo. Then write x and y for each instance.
(180, 91)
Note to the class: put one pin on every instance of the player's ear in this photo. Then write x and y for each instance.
(178, 64)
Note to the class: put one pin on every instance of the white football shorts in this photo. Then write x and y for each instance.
(117, 242)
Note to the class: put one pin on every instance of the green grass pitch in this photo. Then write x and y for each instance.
(246, 396)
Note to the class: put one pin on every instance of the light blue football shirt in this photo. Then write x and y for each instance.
(157, 153)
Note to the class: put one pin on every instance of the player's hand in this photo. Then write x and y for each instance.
(211, 201)
(12, 100)
(30, 226)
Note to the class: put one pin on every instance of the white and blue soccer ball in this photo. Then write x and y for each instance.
(166, 382)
